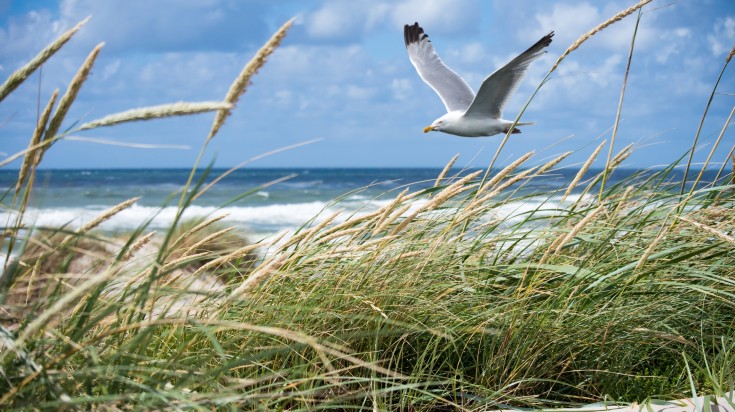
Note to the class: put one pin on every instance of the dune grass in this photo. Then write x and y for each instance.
(442, 299)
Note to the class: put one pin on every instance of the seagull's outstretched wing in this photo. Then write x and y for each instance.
(452, 89)
(497, 88)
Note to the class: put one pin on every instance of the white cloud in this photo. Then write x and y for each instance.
(283, 98)
(723, 36)
(672, 42)
(340, 20)
(359, 93)
(608, 72)
(317, 62)
(164, 25)
(473, 52)
(401, 88)
(326, 79)
(28, 34)
(332, 21)
(442, 16)
(571, 21)
(110, 69)
(189, 70)
(587, 86)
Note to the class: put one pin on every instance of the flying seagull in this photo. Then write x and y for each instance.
(468, 114)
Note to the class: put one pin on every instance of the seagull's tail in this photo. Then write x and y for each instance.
(516, 130)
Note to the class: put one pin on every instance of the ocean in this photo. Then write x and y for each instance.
(72, 197)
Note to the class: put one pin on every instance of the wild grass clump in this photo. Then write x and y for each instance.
(444, 298)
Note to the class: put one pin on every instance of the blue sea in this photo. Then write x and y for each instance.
(72, 197)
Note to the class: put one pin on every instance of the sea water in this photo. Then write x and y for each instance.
(249, 197)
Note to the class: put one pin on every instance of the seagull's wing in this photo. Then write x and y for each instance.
(499, 86)
(452, 89)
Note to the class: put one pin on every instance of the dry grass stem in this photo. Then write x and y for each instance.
(12, 231)
(44, 318)
(406, 255)
(15, 156)
(69, 96)
(446, 194)
(97, 221)
(585, 167)
(31, 281)
(621, 156)
(405, 222)
(372, 243)
(207, 239)
(237, 254)
(619, 111)
(662, 232)
(259, 275)
(309, 233)
(508, 183)
(506, 170)
(335, 350)
(125, 144)
(318, 228)
(155, 112)
(107, 214)
(576, 229)
(135, 247)
(339, 234)
(603, 26)
(392, 218)
(693, 149)
(341, 253)
(446, 170)
(714, 148)
(451, 190)
(20, 75)
(266, 185)
(387, 209)
(183, 260)
(199, 227)
(708, 229)
(623, 200)
(277, 238)
(349, 223)
(252, 159)
(553, 162)
(242, 81)
(30, 158)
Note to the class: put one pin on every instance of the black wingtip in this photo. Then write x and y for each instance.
(541, 44)
(546, 40)
(413, 33)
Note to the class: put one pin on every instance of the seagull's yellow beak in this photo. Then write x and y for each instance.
(427, 129)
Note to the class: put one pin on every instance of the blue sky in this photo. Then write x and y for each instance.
(342, 75)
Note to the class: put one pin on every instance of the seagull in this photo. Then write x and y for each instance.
(468, 114)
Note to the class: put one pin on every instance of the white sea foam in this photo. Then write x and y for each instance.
(266, 219)
(541, 206)
(271, 218)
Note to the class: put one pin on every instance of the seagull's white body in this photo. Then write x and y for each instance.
(468, 114)
(457, 123)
